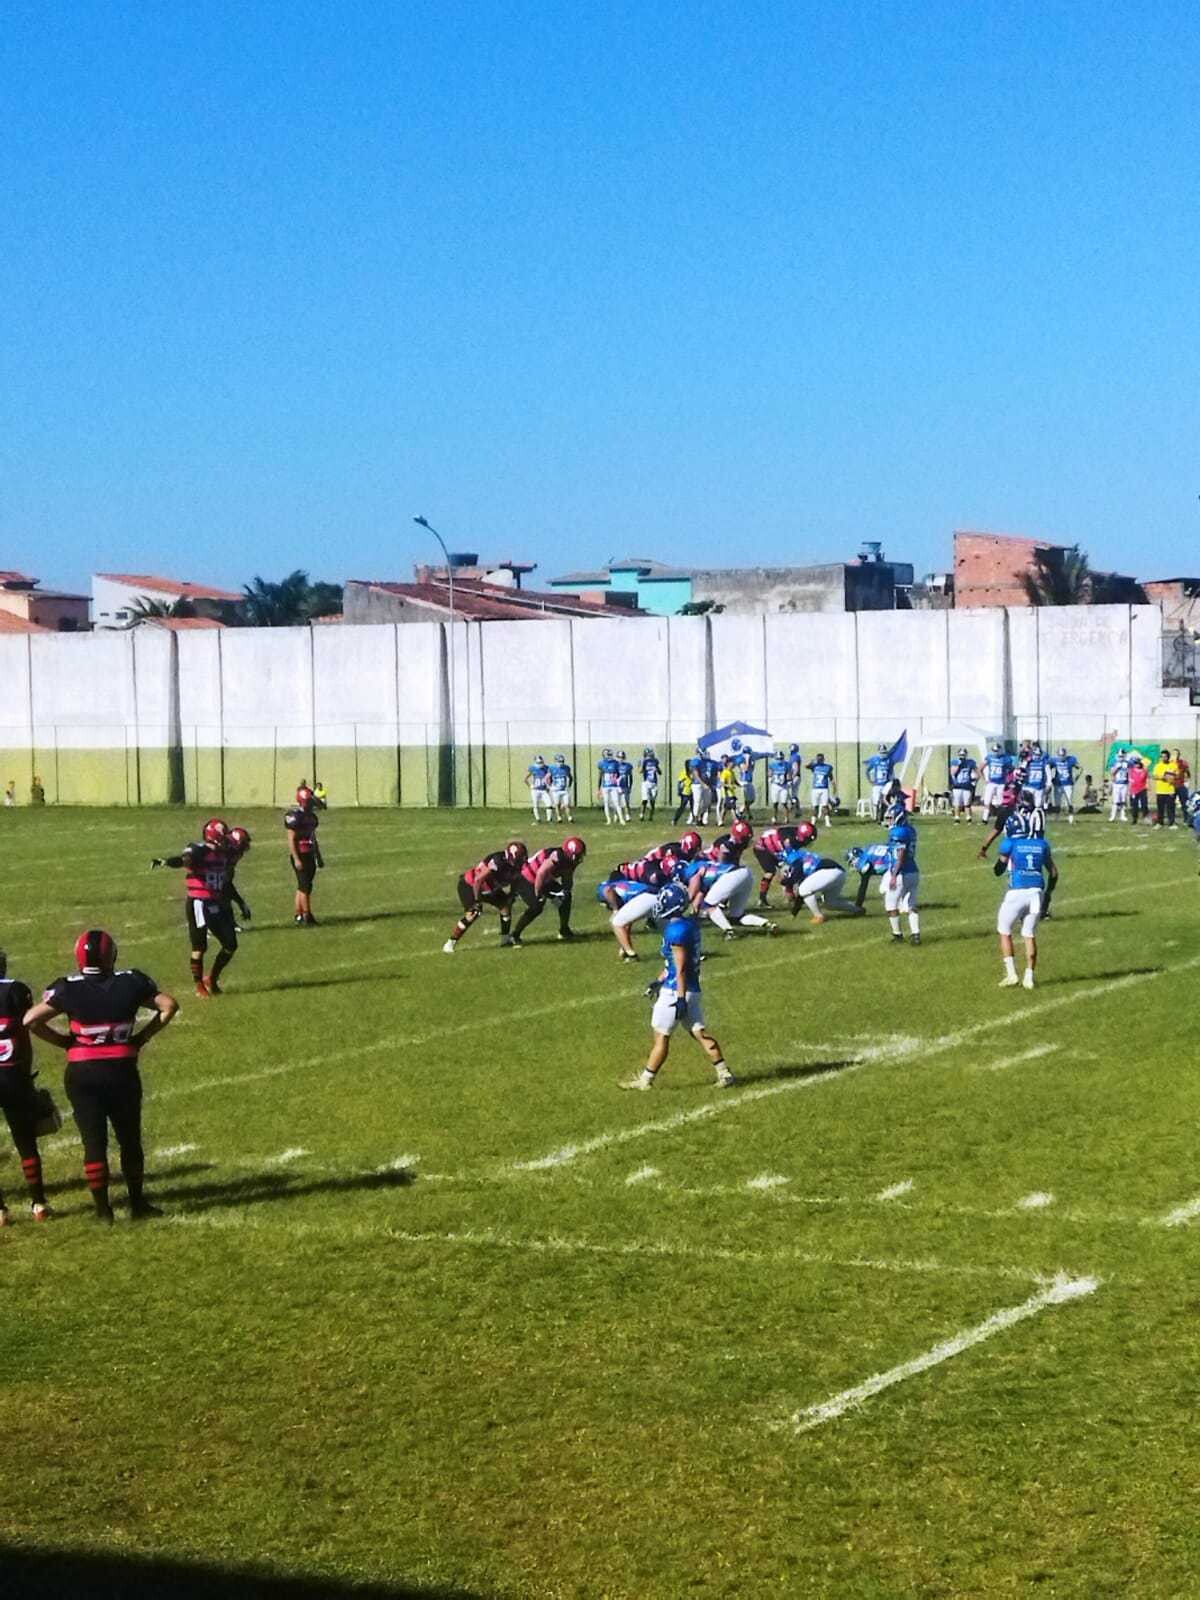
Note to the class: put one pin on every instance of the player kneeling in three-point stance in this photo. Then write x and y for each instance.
(491, 883)
(1029, 863)
(102, 1082)
(677, 992)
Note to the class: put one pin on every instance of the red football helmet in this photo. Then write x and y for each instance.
(239, 840)
(305, 797)
(741, 833)
(516, 853)
(574, 849)
(670, 865)
(216, 831)
(95, 951)
(690, 845)
(805, 833)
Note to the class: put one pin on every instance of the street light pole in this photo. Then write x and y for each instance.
(429, 528)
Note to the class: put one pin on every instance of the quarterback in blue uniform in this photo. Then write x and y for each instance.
(903, 878)
(676, 993)
(1032, 876)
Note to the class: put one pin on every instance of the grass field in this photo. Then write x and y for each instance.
(607, 1344)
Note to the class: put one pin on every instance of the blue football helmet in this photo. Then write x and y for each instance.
(896, 813)
(672, 899)
(853, 855)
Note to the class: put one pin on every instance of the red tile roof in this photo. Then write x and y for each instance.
(190, 591)
(14, 624)
(16, 577)
(476, 601)
(176, 624)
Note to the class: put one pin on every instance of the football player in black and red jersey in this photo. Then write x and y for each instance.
(686, 848)
(302, 823)
(17, 1100)
(729, 847)
(102, 1082)
(769, 850)
(239, 844)
(491, 883)
(207, 909)
(548, 875)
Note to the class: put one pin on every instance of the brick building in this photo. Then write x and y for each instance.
(989, 567)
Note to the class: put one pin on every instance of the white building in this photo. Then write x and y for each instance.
(115, 593)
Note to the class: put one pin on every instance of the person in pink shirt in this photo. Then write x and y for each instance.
(1139, 780)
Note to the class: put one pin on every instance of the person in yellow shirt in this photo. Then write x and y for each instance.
(683, 792)
(1166, 775)
(729, 790)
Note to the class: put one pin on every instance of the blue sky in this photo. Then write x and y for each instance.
(712, 283)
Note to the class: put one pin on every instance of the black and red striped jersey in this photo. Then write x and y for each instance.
(16, 1051)
(726, 848)
(208, 868)
(102, 1009)
(776, 840)
(304, 825)
(563, 866)
(495, 868)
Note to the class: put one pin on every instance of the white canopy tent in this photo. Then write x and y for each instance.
(940, 736)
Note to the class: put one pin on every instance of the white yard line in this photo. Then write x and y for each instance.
(1185, 1213)
(1058, 1293)
(295, 1153)
(642, 1174)
(767, 1180)
(1035, 1054)
(895, 1190)
(735, 1099)
(169, 1151)
(493, 1239)
(1037, 1201)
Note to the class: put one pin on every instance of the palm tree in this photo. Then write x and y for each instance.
(1060, 576)
(144, 609)
(289, 603)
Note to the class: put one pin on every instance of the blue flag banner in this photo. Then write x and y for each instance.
(736, 738)
(899, 750)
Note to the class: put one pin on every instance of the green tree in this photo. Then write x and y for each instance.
(291, 602)
(1060, 577)
(144, 609)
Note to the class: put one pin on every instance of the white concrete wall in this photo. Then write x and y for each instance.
(836, 679)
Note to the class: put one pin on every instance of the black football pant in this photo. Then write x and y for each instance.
(1165, 805)
(103, 1092)
(535, 907)
(20, 1113)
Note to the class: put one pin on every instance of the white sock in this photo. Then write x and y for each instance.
(722, 921)
(752, 920)
(722, 1070)
(1010, 967)
(914, 922)
(894, 921)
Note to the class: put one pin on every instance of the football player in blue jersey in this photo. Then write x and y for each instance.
(651, 770)
(630, 892)
(779, 790)
(964, 775)
(1032, 877)
(609, 784)
(902, 882)
(538, 778)
(625, 770)
(745, 770)
(997, 765)
(815, 881)
(676, 993)
(1063, 770)
(1118, 772)
(881, 770)
(869, 861)
(822, 789)
(562, 780)
(1037, 774)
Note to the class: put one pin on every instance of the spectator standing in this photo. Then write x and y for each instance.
(1165, 774)
(1183, 782)
(1139, 781)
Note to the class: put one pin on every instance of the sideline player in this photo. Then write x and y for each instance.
(770, 848)
(562, 780)
(816, 881)
(609, 781)
(101, 1006)
(676, 993)
(822, 789)
(903, 880)
(1029, 862)
(745, 769)
(1037, 775)
(207, 904)
(964, 775)
(881, 769)
(18, 1097)
(651, 770)
(997, 765)
(1119, 776)
(625, 769)
(492, 882)
(537, 777)
(779, 787)
(548, 875)
(1065, 766)
(301, 823)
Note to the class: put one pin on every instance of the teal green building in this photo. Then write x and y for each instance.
(659, 589)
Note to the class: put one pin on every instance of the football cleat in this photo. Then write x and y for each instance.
(40, 1211)
(143, 1211)
(202, 990)
(449, 947)
(636, 1083)
(725, 1080)
(1027, 981)
(212, 986)
(914, 938)
(817, 916)
(1009, 981)
(772, 930)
